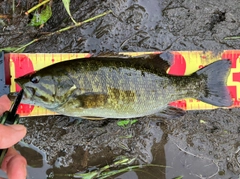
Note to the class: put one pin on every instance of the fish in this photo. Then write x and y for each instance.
(123, 87)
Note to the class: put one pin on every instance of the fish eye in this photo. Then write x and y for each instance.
(34, 79)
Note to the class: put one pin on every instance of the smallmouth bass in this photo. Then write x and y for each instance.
(121, 87)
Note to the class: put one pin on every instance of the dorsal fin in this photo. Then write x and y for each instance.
(160, 62)
(163, 60)
(111, 55)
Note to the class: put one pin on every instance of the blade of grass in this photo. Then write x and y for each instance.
(62, 30)
(115, 172)
(37, 6)
(10, 49)
(24, 46)
(108, 174)
(126, 122)
(232, 38)
(105, 171)
(66, 4)
(13, 6)
(102, 173)
(179, 177)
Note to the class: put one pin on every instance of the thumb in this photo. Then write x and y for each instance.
(5, 103)
(11, 134)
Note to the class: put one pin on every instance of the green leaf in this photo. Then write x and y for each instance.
(2, 23)
(39, 19)
(124, 123)
(66, 4)
(13, 49)
(202, 121)
(232, 38)
(179, 177)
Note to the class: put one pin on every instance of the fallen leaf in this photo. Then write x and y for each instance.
(43, 17)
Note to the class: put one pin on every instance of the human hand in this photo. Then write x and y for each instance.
(13, 163)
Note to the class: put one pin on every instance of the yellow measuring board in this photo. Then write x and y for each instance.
(185, 63)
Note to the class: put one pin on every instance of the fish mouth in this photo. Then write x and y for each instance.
(28, 91)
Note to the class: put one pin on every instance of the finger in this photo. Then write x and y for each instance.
(14, 165)
(11, 134)
(5, 103)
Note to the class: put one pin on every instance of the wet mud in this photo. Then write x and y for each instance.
(202, 144)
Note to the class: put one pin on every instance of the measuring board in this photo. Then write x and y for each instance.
(185, 62)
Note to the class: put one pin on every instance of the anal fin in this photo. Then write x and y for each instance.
(171, 112)
(92, 118)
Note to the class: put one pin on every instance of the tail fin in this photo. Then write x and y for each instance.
(215, 75)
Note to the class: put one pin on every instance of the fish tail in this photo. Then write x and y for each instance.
(215, 89)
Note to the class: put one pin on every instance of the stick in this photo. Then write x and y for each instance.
(62, 30)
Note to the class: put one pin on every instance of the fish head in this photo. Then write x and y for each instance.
(39, 89)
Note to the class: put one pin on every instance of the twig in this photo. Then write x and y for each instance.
(37, 6)
(3, 16)
(62, 30)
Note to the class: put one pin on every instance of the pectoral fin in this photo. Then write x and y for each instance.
(79, 101)
(171, 113)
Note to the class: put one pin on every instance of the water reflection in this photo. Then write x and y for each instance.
(36, 159)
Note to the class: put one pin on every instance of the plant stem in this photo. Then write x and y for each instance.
(62, 30)
(232, 38)
(24, 46)
(37, 6)
(13, 6)
(79, 23)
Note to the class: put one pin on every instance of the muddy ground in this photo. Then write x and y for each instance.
(190, 147)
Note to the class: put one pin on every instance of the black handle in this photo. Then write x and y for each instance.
(7, 119)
